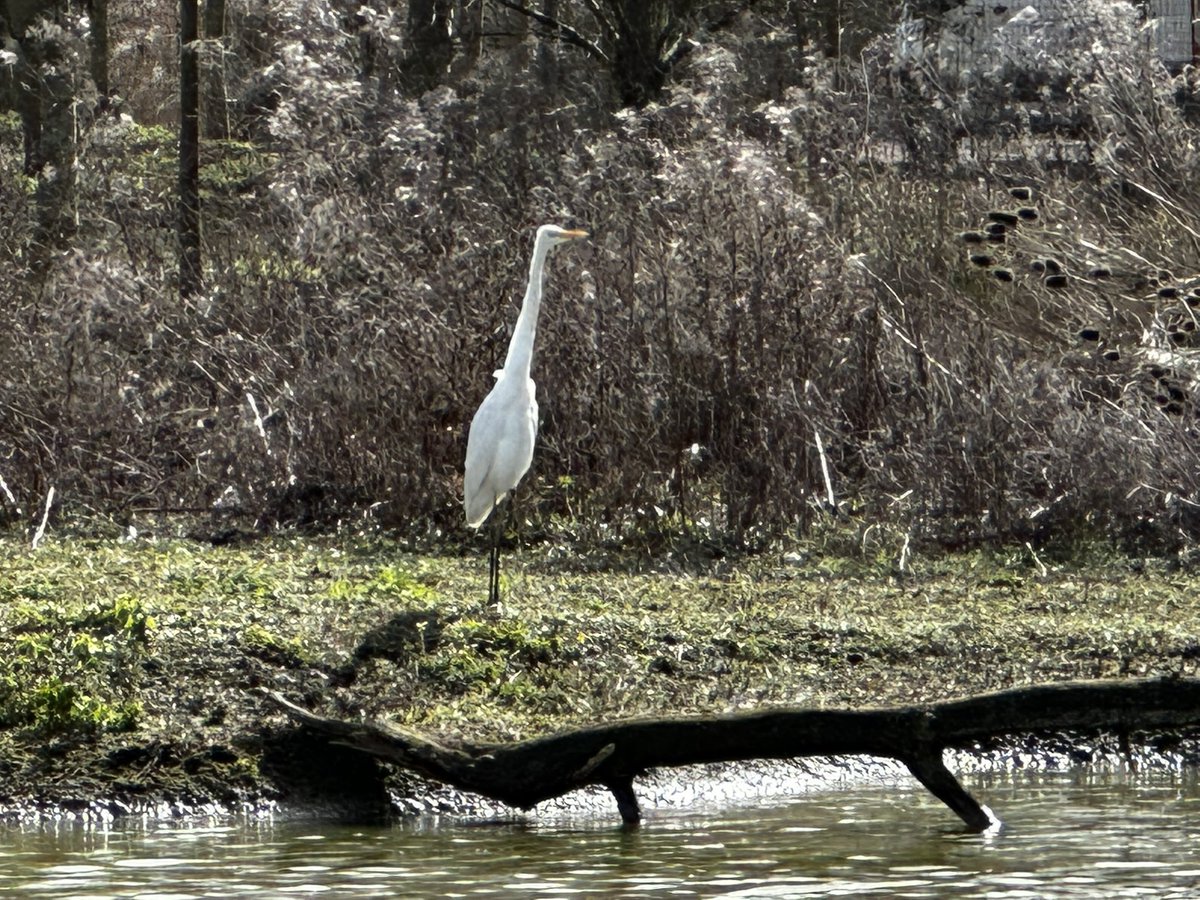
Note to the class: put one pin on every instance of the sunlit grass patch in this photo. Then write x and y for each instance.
(161, 636)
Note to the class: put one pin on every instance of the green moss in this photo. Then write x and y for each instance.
(227, 166)
(506, 639)
(53, 706)
(388, 582)
(465, 673)
(264, 644)
(124, 615)
(152, 137)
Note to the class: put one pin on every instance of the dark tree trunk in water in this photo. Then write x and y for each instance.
(189, 150)
(527, 772)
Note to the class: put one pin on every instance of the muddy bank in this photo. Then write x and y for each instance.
(131, 673)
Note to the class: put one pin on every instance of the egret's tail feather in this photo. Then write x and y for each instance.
(477, 509)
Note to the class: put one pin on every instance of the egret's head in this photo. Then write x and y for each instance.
(556, 234)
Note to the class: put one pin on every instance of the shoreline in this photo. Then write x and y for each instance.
(132, 672)
(692, 790)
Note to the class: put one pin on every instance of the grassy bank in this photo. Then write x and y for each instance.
(131, 670)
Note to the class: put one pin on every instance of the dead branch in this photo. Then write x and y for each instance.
(563, 32)
(527, 772)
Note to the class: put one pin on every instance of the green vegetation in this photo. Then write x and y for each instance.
(154, 651)
(67, 665)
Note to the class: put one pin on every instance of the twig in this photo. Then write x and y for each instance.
(606, 23)
(904, 553)
(1041, 566)
(258, 422)
(8, 493)
(825, 471)
(565, 33)
(41, 529)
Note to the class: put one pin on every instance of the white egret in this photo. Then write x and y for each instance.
(500, 442)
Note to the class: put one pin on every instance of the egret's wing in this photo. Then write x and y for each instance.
(482, 440)
(499, 447)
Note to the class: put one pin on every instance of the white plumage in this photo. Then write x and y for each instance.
(500, 442)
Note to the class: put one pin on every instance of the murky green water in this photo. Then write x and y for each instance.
(1069, 835)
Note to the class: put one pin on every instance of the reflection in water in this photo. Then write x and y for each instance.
(1064, 836)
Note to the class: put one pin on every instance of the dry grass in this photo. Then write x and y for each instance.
(767, 310)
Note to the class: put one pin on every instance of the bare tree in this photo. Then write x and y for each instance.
(430, 45)
(98, 15)
(216, 107)
(189, 149)
(44, 89)
(639, 41)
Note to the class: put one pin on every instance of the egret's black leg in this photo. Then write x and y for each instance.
(494, 575)
(502, 521)
(494, 560)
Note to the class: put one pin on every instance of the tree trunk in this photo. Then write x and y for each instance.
(636, 63)
(46, 104)
(547, 55)
(189, 150)
(430, 47)
(468, 29)
(55, 160)
(528, 772)
(216, 105)
(29, 106)
(98, 14)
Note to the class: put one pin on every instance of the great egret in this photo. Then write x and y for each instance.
(500, 442)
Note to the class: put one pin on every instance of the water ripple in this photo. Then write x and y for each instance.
(1068, 835)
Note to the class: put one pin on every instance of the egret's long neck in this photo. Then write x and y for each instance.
(520, 349)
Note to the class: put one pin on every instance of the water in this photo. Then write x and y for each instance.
(1065, 836)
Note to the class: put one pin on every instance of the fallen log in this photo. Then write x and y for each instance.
(524, 773)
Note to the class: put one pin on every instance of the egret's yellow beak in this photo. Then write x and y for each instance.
(571, 234)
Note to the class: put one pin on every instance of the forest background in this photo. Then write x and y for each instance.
(265, 274)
